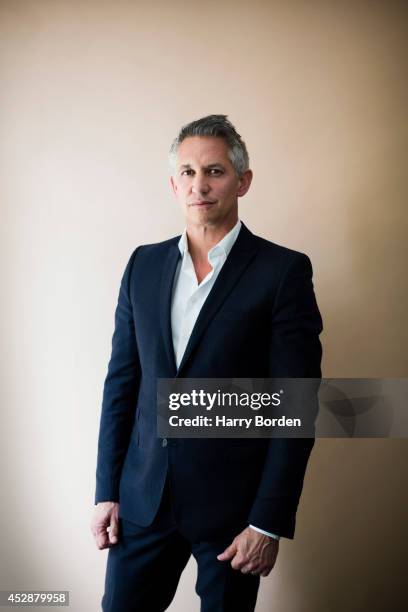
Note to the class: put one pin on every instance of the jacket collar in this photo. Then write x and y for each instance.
(240, 256)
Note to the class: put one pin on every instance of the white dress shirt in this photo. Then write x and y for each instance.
(189, 296)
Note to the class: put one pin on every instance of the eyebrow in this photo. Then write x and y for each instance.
(209, 166)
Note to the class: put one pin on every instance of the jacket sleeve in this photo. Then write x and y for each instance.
(295, 352)
(119, 396)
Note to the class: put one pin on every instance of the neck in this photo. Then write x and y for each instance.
(202, 238)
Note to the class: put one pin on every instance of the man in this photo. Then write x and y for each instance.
(217, 302)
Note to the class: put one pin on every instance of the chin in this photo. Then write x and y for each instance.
(201, 213)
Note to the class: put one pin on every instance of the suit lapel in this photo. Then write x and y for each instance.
(169, 270)
(237, 261)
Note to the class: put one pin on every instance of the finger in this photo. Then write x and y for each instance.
(239, 562)
(228, 553)
(102, 540)
(100, 535)
(250, 568)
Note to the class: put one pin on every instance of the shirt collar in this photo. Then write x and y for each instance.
(223, 247)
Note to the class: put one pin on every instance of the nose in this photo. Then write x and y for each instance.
(200, 184)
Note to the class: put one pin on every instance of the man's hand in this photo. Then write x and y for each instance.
(252, 552)
(104, 524)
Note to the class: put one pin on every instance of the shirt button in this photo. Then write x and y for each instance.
(164, 442)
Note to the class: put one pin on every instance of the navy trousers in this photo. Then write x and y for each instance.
(144, 569)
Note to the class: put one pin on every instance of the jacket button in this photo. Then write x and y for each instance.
(164, 442)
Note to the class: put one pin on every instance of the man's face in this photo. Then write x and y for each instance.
(205, 182)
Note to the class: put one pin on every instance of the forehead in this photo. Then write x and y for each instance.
(203, 150)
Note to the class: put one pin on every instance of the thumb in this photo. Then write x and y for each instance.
(228, 553)
(113, 529)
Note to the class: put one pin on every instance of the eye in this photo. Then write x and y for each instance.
(187, 172)
(215, 172)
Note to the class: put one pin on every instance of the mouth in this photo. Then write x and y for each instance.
(202, 203)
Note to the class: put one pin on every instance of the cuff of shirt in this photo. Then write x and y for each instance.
(271, 535)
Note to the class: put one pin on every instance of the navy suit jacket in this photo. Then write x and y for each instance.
(260, 320)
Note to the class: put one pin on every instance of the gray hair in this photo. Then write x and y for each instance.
(217, 126)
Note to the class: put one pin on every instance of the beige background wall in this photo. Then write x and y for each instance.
(92, 92)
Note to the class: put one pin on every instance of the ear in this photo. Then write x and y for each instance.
(244, 183)
(173, 184)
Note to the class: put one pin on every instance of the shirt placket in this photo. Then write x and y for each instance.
(193, 302)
